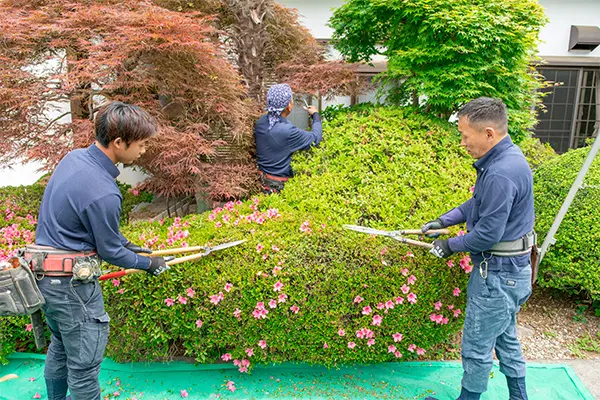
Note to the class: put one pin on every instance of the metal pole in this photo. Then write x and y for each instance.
(549, 240)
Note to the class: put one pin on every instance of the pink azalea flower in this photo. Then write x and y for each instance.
(377, 319)
(445, 320)
(438, 305)
(397, 354)
(360, 334)
(420, 351)
(412, 279)
(237, 363)
(116, 282)
(120, 291)
(184, 393)
(215, 299)
(358, 299)
(472, 189)
(265, 256)
(262, 344)
(412, 298)
(275, 248)
(305, 227)
(405, 289)
(451, 306)
(28, 327)
(450, 263)
(199, 323)
(409, 254)
(259, 247)
(245, 363)
(456, 291)
(169, 302)
(380, 306)
(218, 224)
(190, 292)
(282, 298)
(412, 347)
(250, 352)
(243, 369)
(391, 348)
(404, 271)
(182, 300)
(277, 286)
(228, 286)
(399, 300)
(295, 309)
(389, 304)
(341, 332)
(397, 337)
(367, 310)
(36, 396)
(456, 312)
(272, 303)
(276, 270)
(237, 313)
(351, 345)
(226, 357)
(325, 346)
(370, 342)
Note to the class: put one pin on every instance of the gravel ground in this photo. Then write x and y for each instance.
(552, 328)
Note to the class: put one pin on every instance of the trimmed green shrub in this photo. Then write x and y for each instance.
(536, 152)
(573, 263)
(301, 282)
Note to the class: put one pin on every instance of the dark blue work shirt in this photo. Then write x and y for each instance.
(81, 209)
(274, 148)
(501, 208)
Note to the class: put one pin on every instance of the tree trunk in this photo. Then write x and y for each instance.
(250, 37)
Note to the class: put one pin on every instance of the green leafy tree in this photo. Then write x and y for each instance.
(443, 53)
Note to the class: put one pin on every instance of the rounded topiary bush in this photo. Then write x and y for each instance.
(302, 288)
(573, 263)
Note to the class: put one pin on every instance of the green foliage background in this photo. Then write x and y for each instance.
(443, 53)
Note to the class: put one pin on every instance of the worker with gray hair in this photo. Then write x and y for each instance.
(500, 237)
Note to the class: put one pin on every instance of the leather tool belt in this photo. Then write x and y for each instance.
(48, 261)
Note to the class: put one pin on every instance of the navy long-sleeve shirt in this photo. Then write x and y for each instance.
(274, 148)
(81, 209)
(501, 208)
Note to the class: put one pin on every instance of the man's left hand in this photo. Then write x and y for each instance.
(441, 249)
(137, 249)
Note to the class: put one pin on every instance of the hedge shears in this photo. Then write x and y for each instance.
(204, 251)
(398, 235)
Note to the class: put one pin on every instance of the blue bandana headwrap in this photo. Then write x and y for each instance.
(278, 98)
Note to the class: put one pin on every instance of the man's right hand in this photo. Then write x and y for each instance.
(158, 265)
(311, 110)
(435, 224)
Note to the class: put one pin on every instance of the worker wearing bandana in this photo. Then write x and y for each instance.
(277, 138)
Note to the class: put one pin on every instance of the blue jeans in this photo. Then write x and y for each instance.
(79, 325)
(491, 323)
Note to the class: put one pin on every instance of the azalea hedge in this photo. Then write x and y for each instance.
(302, 288)
(572, 264)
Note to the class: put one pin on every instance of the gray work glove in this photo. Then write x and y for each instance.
(158, 265)
(435, 224)
(137, 249)
(441, 249)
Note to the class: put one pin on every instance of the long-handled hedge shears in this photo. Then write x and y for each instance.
(204, 251)
(398, 235)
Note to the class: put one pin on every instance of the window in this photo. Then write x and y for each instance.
(571, 108)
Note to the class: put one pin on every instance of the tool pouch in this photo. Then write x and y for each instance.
(535, 263)
(19, 293)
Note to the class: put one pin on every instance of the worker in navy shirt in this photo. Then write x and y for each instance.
(80, 213)
(277, 138)
(499, 218)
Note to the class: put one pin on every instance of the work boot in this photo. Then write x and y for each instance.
(516, 388)
(466, 395)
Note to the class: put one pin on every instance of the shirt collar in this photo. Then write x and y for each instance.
(491, 155)
(103, 160)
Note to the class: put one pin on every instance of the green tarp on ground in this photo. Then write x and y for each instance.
(408, 380)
